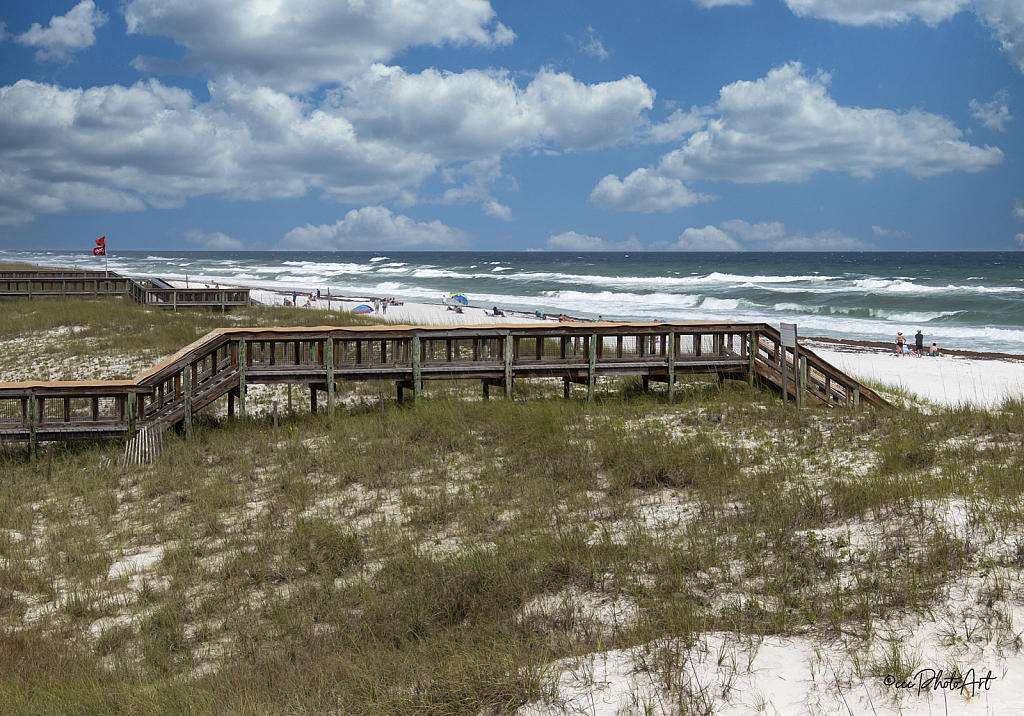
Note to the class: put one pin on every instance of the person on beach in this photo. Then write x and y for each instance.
(919, 342)
(934, 351)
(444, 299)
(900, 342)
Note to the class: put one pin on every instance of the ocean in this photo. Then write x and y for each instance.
(967, 301)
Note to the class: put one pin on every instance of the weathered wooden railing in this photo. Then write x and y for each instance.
(35, 284)
(225, 361)
(144, 292)
(808, 377)
(68, 410)
(38, 284)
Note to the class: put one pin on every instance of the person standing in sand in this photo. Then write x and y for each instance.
(900, 342)
(919, 342)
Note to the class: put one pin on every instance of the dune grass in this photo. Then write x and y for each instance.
(437, 558)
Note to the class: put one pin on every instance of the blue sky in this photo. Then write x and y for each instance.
(467, 124)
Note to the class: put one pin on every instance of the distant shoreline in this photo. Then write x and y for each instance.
(851, 345)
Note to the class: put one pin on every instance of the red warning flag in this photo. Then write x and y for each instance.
(101, 247)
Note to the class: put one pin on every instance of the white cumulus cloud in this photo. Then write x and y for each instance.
(1006, 20)
(761, 231)
(721, 3)
(993, 114)
(496, 210)
(786, 127)
(739, 235)
(829, 240)
(879, 231)
(215, 241)
(710, 238)
(298, 45)
(679, 125)
(878, 12)
(374, 227)
(484, 111)
(589, 43)
(571, 241)
(66, 34)
(643, 190)
(1018, 210)
(123, 148)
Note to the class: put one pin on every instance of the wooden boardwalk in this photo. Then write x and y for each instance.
(39, 284)
(225, 361)
(148, 291)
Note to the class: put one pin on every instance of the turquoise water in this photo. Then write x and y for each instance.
(970, 300)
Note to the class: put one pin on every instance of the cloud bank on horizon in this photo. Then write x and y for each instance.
(468, 124)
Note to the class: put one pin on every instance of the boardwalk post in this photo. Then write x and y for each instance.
(186, 384)
(798, 396)
(417, 382)
(591, 368)
(508, 365)
(131, 409)
(671, 366)
(243, 359)
(312, 398)
(566, 384)
(787, 334)
(329, 359)
(801, 386)
(33, 417)
(751, 357)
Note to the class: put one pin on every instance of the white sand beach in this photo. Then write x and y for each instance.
(949, 380)
(432, 314)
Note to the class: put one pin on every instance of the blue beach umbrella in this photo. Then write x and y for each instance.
(363, 309)
(460, 297)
